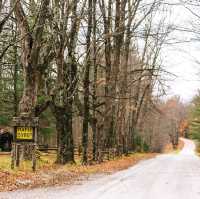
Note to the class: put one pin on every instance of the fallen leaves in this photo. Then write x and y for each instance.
(55, 175)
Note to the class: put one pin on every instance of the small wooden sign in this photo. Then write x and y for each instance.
(25, 134)
(25, 130)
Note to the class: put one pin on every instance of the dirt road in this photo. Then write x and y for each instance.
(172, 176)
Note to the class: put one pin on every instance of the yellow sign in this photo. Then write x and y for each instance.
(24, 133)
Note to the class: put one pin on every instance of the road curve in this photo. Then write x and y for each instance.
(172, 176)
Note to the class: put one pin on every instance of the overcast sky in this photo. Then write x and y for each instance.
(180, 59)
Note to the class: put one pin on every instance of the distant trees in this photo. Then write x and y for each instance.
(163, 124)
(91, 62)
(176, 113)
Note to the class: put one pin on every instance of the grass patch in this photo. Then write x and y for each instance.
(5, 161)
(45, 161)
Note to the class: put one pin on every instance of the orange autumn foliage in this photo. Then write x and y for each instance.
(183, 126)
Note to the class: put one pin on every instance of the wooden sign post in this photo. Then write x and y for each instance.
(25, 134)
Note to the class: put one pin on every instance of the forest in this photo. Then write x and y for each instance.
(91, 70)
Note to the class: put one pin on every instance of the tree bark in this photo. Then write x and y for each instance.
(94, 97)
(65, 152)
(86, 85)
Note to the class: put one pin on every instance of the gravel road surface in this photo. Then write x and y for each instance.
(172, 176)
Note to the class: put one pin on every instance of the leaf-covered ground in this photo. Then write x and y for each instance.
(50, 174)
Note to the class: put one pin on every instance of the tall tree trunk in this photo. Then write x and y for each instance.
(111, 119)
(65, 138)
(118, 47)
(86, 84)
(94, 97)
(124, 116)
(107, 137)
(66, 81)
